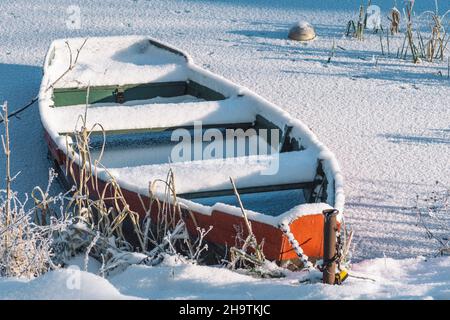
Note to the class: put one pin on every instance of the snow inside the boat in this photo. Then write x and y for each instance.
(149, 114)
(114, 61)
(273, 203)
(213, 174)
(119, 150)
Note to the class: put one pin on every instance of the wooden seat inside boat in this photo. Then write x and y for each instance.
(149, 107)
(121, 94)
(145, 115)
(210, 178)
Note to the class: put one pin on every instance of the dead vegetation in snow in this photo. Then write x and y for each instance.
(429, 43)
(433, 214)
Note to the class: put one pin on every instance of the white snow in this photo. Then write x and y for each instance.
(122, 61)
(214, 174)
(387, 122)
(286, 217)
(68, 284)
(302, 25)
(386, 278)
(148, 116)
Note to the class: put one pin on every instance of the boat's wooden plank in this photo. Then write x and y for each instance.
(256, 189)
(104, 94)
(197, 90)
(262, 122)
(167, 48)
(286, 142)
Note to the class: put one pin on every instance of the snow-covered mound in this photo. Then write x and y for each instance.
(60, 284)
(382, 278)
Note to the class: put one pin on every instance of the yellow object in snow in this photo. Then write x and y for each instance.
(341, 276)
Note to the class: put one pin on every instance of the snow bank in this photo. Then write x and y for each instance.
(416, 278)
(67, 284)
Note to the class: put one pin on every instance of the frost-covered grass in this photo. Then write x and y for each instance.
(43, 237)
(433, 214)
(25, 245)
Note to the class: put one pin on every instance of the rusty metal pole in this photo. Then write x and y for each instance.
(329, 245)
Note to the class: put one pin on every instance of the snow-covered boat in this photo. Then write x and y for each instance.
(143, 92)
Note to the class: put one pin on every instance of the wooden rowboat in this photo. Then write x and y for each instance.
(143, 93)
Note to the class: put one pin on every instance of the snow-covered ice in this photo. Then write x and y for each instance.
(387, 121)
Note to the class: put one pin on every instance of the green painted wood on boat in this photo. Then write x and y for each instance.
(109, 94)
(197, 90)
(164, 47)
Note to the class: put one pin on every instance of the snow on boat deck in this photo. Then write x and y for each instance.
(214, 174)
(142, 115)
(144, 148)
(129, 60)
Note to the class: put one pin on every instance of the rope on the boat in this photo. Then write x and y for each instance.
(296, 246)
(343, 241)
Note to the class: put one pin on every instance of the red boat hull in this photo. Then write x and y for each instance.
(307, 229)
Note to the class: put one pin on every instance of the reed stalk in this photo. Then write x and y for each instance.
(7, 152)
(242, 255)
(360, 25)
(381, 43)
